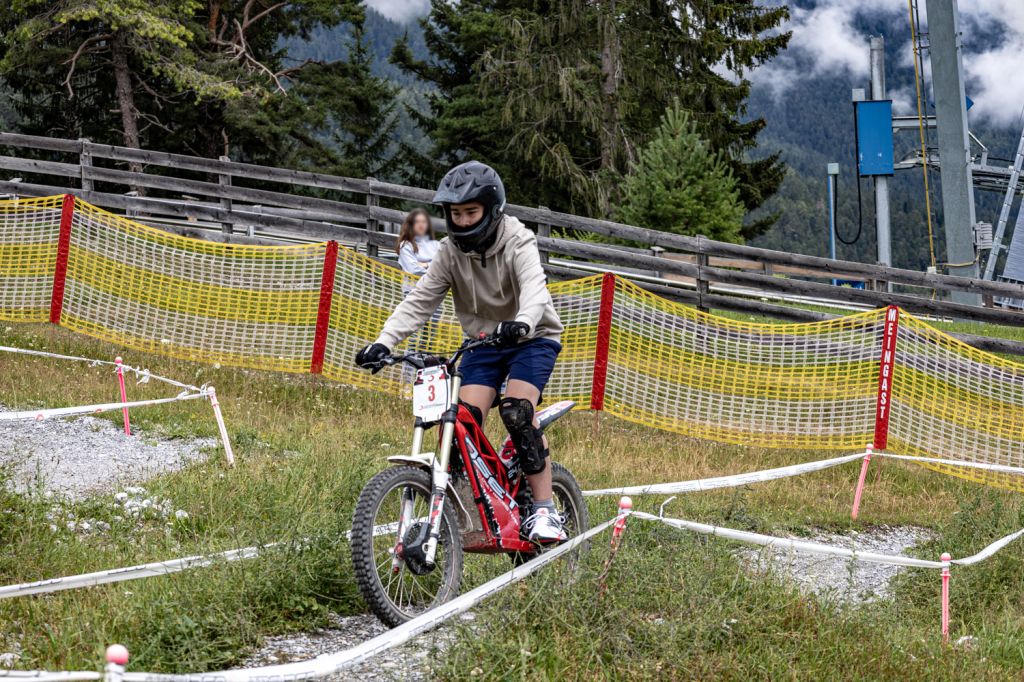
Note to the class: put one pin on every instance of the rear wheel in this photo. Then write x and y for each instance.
(399, 591)
(568, 499)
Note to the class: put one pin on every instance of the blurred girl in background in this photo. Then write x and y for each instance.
(416, 245)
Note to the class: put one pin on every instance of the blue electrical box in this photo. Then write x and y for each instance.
(874, 137)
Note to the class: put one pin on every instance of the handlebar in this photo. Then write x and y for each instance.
(420, 360)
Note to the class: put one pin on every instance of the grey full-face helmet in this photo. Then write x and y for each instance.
(472, 182)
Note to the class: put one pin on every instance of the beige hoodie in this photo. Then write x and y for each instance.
(508, 285)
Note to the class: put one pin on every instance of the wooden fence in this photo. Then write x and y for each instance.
(232, 201)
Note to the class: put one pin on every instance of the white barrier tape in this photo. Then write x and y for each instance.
(116, 575)
(1002, 468)
(818, 548)
(329, 664)
(46, 676)
(703, 484)
(990, 550)
(39, 415)
(790, 544)
(144, 374)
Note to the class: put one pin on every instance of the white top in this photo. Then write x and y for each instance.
(416, 262)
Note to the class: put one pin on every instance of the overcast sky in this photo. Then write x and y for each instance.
(400, 10)
(825, 43)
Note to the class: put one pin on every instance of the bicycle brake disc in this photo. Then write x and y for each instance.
(412, 549)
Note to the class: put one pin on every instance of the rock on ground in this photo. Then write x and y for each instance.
(75, 457)
(840, 578)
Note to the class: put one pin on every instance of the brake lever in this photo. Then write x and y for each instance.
(386, 362)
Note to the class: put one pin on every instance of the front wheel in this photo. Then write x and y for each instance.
(399, 590)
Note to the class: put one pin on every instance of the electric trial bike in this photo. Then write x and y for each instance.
(414, 521)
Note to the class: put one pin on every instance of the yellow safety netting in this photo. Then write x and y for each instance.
(669, 366)
(28, 251)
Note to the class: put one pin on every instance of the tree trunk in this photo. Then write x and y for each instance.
(611, 73)
(125, 97)
(125, 94)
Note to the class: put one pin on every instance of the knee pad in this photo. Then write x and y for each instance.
(517, 415)
(478, 415)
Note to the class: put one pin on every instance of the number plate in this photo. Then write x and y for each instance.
(430, 393)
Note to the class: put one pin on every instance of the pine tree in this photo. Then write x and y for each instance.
(84, 52)
(587, 81)
(679, 184)
(356, 113)
(464, 121)
(206, 78)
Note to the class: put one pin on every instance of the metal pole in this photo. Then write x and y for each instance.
(954, 143)
(833, 172)
(881, 182)
(1004, 212)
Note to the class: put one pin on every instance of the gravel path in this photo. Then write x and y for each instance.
(75, 457)
(836, 577)
(408, 662)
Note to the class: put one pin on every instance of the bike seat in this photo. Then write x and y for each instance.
(554, 412)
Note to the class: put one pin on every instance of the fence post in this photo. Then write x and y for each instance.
(656, 251)
(946, 559)
(544, 230)
(883, 402)
(229, 454)
(372, 226)
(60, 268)
(224, 180)
(124, 394)
(625, 509)
(886, 365)
(84, 163)
(601, 347)
(703, 287)
(860, 482)
(323, 315)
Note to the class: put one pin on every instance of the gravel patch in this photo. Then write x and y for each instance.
(74, 458)
(848, 582)
(410, 661)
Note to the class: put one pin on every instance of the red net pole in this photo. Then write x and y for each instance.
(885, 367)
(604, 333)
(60, 270)
(323, 316)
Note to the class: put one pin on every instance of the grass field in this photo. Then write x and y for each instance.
(676, 607)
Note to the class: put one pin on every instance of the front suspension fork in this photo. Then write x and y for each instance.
(439, 471)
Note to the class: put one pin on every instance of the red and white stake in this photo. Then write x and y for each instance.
(117, 659)
(124, 394)
(860, 482)
(625, 507)
(228, 452)
(946, 558)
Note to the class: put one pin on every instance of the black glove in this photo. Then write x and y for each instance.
(370, 356)
(509, 333)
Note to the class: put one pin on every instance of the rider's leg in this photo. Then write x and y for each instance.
(540, 483)
(479, 396)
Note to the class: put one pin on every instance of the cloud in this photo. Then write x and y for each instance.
(827, 42)
(400, 10)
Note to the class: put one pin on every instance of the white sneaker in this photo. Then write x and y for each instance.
(545, 527)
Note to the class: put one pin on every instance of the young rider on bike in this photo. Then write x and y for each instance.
(491, 265)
